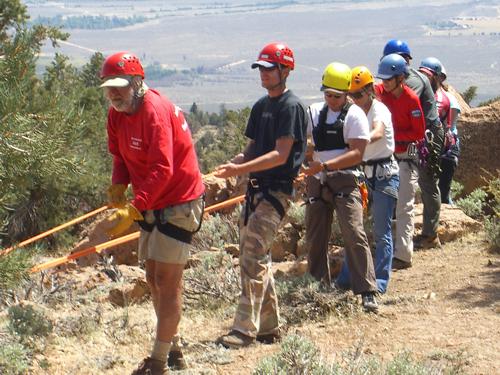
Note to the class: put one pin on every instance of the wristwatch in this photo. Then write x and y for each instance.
(325, 167)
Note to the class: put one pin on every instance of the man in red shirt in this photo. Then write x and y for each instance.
(409, 126)
(151, 145)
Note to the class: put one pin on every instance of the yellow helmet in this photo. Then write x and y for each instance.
(361, 76)
(336, 77)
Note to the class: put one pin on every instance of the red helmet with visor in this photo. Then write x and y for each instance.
(122, 64)
(273, 54)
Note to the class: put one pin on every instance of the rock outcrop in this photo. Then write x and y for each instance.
(479, 132)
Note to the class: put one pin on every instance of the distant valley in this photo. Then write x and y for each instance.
(206, 47)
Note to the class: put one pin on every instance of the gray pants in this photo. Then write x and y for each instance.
(428, 182)
(340, 192)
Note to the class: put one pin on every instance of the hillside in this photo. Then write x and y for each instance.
(443, 313)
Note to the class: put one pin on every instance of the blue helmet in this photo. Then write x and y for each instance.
(432, 64)
(392, 65)
(397, 46)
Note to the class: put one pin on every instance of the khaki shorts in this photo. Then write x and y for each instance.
(159, 247)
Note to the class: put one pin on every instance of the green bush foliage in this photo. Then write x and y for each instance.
(469, 94)
(492, 221)
(298, 355)
(212, 285)
(219, 145)
(303, 298)
(13, 359)
(456, 189)
(14, 269)
(217, 230)
(473, 204)
(28, 322)
(53, 158)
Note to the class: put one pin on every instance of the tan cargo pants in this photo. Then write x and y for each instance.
(258, 311)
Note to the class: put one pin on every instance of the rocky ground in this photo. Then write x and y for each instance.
(445, 308)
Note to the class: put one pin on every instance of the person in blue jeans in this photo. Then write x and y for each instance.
(382, 174)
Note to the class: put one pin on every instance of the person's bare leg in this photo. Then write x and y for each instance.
(168, 290)
(150, 279)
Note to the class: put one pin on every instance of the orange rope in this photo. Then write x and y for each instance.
(53, 230)
(94, 249)
(221, 205)
(129, 237)
(62, 226)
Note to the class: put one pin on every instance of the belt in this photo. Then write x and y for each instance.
(378, 161)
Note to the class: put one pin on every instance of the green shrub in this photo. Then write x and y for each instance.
(473, 204)
(297, 356)
(212, 285)
(296, 214)
(217, 230)
(456, 189)
(14, 269)
(28, 322)
(13, 359)
(303, 299)
(492, 229)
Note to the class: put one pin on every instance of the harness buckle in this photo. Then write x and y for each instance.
(254, 183)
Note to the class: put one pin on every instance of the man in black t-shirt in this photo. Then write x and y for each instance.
(277, 130)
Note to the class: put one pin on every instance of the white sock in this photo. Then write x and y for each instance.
(160, 350)
(176, 343)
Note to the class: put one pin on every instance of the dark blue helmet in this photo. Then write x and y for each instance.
(397, 46)
(432, 64)
(392, 65)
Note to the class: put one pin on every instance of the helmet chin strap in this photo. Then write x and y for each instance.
(398, 81)
(282, 82)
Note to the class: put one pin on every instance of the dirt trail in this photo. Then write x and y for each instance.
(447, 303)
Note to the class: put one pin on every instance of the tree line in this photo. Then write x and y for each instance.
(88, 22)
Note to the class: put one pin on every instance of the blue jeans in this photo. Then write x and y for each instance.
(384, 196)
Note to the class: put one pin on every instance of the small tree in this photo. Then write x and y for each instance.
(470, 94)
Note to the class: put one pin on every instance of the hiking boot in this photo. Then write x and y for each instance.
(269, 338)
(151, 366)
(398, 264)
(369, 302)
(176, 360)
(422, 242)
(235, 340)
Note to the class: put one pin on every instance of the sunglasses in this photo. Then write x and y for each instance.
(264, 69)
(356, 95)
(331, 95)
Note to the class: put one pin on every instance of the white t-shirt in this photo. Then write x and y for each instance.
(384, 147)
(355, 127)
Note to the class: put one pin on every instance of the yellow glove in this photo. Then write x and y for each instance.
(124, 217)
(116, 196)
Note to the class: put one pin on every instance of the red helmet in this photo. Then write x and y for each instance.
(122, 64)
(275, 53)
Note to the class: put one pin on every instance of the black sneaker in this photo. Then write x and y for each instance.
(269, 338)
(369, 302)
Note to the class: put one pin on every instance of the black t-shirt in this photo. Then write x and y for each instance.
(273, 118)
